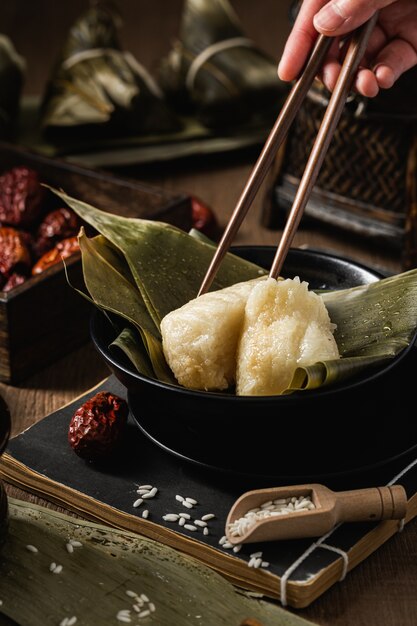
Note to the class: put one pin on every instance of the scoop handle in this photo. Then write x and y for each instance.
(373, 504)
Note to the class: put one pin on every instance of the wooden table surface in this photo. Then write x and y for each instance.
(382, 591)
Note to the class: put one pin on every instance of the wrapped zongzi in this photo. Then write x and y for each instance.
(100, 90)
(217, 73)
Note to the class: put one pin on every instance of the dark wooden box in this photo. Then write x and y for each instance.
(45, 318)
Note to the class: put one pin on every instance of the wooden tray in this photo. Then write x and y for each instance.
(45, 318)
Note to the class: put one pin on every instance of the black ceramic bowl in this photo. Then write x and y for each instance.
(335, 429)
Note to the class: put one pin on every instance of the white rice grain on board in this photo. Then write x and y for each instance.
(171, 517)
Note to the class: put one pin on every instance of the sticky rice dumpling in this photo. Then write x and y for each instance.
(217, 73)
(98, 89)
(12, 68)
(285, 326)
(252, 335)
(200, 339)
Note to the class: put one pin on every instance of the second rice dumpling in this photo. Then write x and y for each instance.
(217, 73)
(99, 90)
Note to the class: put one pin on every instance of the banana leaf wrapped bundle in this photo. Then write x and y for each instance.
(216, 73)
(12, 69)
(99, 90)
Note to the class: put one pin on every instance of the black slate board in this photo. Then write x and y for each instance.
(44, 449)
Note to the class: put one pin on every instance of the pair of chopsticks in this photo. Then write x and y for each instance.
(354, 54)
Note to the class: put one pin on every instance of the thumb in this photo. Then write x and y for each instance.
(339, 17)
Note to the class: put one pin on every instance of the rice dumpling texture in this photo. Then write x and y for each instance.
(285, 326)
(12, 69)
(99, 89)
(200, 339)
(217, 73)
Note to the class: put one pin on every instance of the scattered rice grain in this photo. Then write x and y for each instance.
(200, 522)
(124, 616)
(171, 517)
(150, 494)
(190, 527)
(31, 548)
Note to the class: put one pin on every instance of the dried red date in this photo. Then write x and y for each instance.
(13, 281)
(21, 196)
(14, 252)
(56, 225)
(62, 250)
(96, 426)
(204, 219)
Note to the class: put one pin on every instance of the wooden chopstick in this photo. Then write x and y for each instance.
(354, 54)
(265, 159)
(280, 129)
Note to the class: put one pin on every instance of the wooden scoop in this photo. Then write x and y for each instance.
(328, 508)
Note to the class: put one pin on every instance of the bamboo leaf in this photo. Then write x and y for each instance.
(129, 343)
(168, 265)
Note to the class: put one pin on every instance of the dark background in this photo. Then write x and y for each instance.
(149, 27)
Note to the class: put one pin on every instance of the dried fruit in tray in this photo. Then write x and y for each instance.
(96, 427)
(31, 227)
(62, 250)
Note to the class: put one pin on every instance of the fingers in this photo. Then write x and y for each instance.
(395, 58)
(339, 17)
(300, 41)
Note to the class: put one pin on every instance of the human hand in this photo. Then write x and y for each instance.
(391, 50)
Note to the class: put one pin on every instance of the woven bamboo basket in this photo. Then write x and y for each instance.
(368, 182)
